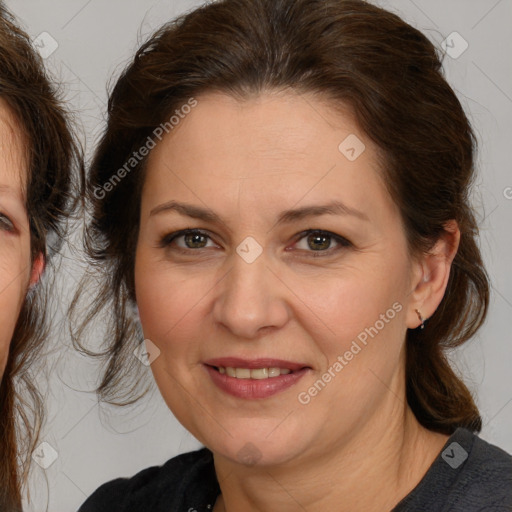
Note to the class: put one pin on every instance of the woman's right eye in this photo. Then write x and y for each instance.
(189, 236)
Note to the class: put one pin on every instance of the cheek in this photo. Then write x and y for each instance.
(359, 304)
(362, 329)
(346, 302)
(13, 287)
(169, 304)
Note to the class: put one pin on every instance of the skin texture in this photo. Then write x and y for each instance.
(16, 271)
(356, 445)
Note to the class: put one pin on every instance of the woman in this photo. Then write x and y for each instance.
(37, 152)
(281, 191)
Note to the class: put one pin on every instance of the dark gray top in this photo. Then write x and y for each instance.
(469, 475)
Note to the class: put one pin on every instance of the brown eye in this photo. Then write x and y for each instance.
(193, 239)
(320, 241)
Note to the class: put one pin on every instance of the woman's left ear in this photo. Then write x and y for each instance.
(431, 275)
(37, 269)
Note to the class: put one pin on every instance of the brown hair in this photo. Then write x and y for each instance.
(51, 154)
(352, 53)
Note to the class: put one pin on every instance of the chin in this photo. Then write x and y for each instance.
(257, 446)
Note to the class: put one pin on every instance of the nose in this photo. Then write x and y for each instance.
(251, 299)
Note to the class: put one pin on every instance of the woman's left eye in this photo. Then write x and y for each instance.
(318, 241)
(5, 223)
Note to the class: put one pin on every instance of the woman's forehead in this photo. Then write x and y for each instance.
(264, 133)
(12, 153)
(271, 150)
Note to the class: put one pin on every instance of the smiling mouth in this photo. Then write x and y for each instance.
(255, 373)
(252, 373)
(256, 378)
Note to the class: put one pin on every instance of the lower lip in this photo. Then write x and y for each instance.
(254, 388)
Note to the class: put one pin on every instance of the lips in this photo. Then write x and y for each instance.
(255, 378)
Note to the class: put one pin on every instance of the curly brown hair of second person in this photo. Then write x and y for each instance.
(53, 156)
(353, 53)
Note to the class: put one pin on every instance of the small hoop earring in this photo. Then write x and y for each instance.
(421, 319)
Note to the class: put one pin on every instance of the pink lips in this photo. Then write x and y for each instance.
(254, 388)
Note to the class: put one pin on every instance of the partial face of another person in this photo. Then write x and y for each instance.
(16, 273)
(279, 297)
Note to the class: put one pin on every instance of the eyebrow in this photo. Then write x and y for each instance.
(287, 216)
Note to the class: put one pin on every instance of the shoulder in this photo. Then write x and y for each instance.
(469, 475)
(486, 479)
(155, 487)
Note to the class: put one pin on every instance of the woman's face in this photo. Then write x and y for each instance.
(260, 289)
(15, 263)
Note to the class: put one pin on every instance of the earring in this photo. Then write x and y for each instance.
(421, 319)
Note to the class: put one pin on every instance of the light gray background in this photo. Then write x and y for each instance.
(95, 39)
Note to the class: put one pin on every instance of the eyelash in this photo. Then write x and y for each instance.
(167, 240)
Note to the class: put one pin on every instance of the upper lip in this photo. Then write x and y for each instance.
(265, 362)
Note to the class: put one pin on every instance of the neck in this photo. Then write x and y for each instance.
(371, 470)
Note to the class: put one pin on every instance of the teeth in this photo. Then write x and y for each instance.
(255, 373)
(274, 372)
(259, 373)
(243, 373)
